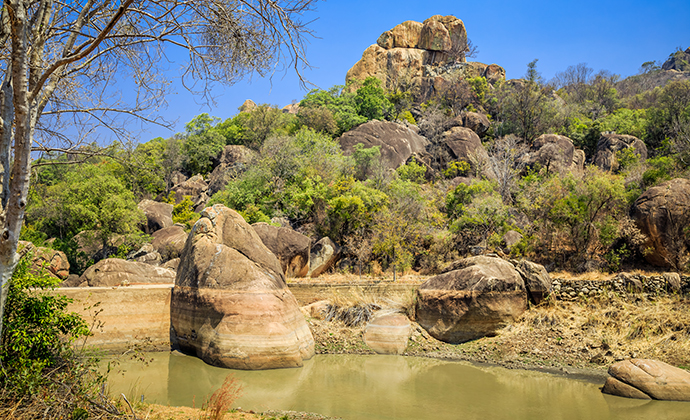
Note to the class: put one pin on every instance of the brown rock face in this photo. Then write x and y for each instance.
(482, 295)
(323, 255)
(388, 333)
(648, 379)
(230, 305)
(476, 122)
(425, 56)
(556, 154)
(169, 242)
(55, 262)
(115, 272)
(537, 280)
(397, 142)
(232, 161)
(609, 144)
(158, 215)
(663, 213)
(195, 188)
(463, 144)
(405, 35)
(291, 248)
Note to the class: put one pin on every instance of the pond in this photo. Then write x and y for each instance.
(387, 387)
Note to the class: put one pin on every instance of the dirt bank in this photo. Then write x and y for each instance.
(579, 338)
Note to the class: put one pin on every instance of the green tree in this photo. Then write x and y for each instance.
(339, 101)
(371, 101)
(201, 143)
(89, 199)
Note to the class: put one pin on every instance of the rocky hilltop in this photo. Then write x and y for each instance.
(422, 57)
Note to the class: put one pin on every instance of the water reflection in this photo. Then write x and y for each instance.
(389, 387)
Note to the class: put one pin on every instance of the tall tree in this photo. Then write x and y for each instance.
(59, 61)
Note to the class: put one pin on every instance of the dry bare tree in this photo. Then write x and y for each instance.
(506, 161)
(61, 60)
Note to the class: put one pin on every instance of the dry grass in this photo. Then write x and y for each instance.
(601, 331)
(221, 401)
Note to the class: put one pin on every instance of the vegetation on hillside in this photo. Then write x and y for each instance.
(410, 218)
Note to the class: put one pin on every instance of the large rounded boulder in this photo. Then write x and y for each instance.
(478, 297)
(117, 272)
(397, 142)
(230, 304)
(388, 333)
(158, 215)
(610, 144)
(462, 144)
(647, 379)
(291, 248)
(555, 154)
(663, 214)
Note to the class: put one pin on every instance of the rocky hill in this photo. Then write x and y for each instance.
(422, 57)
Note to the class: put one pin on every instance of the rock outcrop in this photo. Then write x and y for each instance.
(537, 280)
(556, 154)
(230, 304)
(425, 56)
(663, 213)
(479, 296)
(169, 242)
(323, 255)
(610, 144)
(158, 215)
(679, 61)
(232, 161)
(462, 144)
(388, 333)
(648, 379)
(291, 248)
(476, 122)
(195, 188)
(116, 272)
(52, 261)
(396, 141)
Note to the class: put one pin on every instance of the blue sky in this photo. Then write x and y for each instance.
(613, 35)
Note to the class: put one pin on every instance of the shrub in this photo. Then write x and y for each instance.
(42, 373)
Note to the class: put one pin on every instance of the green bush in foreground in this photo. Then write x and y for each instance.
(40, 370)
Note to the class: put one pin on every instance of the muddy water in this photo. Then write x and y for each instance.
(388, 387)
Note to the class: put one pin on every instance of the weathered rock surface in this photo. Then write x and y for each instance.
(511, 238)
(680, 61)
(480, 296)
(54, 262)
(146, 254)
(476, 122)
(537, 280)
(663, 213)
(426, 56)
(388, 333)
(158, 215)
(462, 144)
(556, 154)
(169, 242)
(195, 188)
(397, 142)
(291, 248)
(317, 310)
(323, 255)
(232, 161)
(648, 379)
(116, 272)
(230, 305)
(610, 144)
